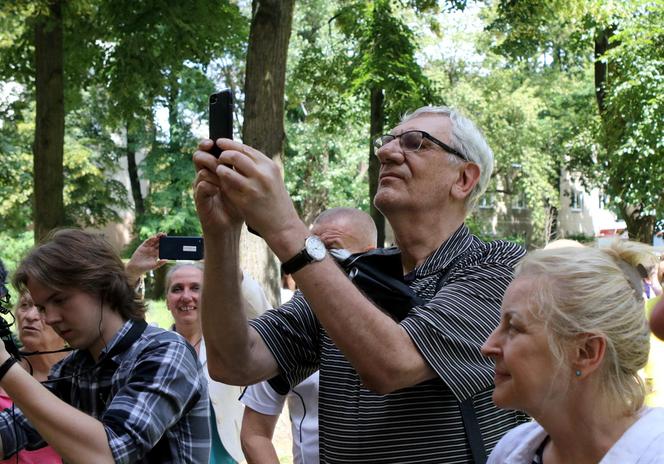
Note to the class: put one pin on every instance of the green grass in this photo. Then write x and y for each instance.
(159, 314)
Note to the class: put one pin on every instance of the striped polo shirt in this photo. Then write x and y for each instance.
(422, 423)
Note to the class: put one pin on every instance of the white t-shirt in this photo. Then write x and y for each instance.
(303, 408)
(642, 443)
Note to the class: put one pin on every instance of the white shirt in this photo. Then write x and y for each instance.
(225, 398)
(303, 408)
(642, 443)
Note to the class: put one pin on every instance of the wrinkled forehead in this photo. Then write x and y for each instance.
(436, 124)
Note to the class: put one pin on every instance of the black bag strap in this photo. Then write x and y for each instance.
(470, 422)
(472, 427)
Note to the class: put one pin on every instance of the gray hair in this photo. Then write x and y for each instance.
(466, 138)
(584, 290)
(169, 274)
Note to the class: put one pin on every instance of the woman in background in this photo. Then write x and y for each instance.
(35, 336)
(571, 340)
(183, 285)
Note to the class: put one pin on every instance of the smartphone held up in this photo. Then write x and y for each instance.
(221, 118)
(181, 248)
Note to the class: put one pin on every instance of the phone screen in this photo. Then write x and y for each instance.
(221, 118)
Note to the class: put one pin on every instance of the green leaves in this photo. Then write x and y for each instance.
(617, 147)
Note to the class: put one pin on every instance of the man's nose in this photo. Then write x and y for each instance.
(390, 152)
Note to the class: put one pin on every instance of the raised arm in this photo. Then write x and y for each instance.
(236, 353)
(145, 258)
(252, 184)
(74, 435)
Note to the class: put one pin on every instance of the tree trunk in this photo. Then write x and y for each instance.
(601, 67)
(639, 227)
(132, 169)
(263, 128)
(48, 146)
(376, 129)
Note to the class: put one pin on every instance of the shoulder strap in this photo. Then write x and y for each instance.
(472, 427)
(470, 423)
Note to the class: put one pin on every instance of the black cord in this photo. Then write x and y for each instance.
(37, 353)
(101, 319)
(304, 412)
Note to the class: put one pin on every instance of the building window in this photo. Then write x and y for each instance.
(603, 201)
(487, 201)
(576, 201)
(519, 201)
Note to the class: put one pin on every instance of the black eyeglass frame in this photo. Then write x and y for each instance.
(380, 142)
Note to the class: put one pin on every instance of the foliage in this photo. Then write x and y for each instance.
(324, 157)
(165, 55)
(158, 314)
(634, 128)
(119, 67)
(616, 145)
(14, 247)
(530, 87)
(508, 104)
(581, 238)
(385, 57)
(92, 197)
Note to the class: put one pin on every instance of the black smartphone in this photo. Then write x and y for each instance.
(221, 118)
(181, 248)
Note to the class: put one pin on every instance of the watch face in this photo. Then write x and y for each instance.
(315, 248)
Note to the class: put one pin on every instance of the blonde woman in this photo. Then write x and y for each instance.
(572, 337)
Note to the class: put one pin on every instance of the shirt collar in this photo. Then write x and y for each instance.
(119, 335)
(456, 244)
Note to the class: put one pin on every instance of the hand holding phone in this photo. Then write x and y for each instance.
(221, 118)
(181, 248)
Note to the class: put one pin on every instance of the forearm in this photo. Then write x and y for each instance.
(76, 436)
(133, 274)
(379, 349)
(236, 353)
(256, 437)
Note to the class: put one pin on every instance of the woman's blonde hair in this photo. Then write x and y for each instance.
(596, 291)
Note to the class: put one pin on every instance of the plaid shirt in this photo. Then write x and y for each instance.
(152, 399)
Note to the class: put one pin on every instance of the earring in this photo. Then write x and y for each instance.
(577, 373)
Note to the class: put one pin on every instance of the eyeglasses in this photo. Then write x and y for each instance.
(412, 141)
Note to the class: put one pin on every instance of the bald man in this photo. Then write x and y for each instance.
(339, 228)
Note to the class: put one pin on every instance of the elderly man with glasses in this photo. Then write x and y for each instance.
(400, 391)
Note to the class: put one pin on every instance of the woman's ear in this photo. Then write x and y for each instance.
(468, 177)
(589, 354)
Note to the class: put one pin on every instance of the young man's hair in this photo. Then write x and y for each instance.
(75, 259)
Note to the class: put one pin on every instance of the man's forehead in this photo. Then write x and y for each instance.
(434, 123)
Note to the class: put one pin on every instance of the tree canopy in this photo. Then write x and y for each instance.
(572, 84)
